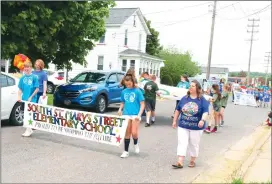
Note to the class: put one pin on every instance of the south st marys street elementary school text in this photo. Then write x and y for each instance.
(76, 123)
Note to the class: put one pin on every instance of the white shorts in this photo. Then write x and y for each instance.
(131, 117)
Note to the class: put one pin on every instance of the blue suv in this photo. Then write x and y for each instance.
(90, 89)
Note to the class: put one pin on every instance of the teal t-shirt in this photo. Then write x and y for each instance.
(28, 84)
(185, 85)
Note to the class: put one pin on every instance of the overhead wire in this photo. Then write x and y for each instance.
(177, 22)
(246, 16)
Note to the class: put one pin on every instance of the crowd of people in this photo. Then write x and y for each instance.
(193, 114)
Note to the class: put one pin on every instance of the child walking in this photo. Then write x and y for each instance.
(267, 98)
(28, 89)
(216, 101)
(224, 102)
(151, 89)
(132, 107)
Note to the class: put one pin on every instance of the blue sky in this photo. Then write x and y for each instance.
(230, 48)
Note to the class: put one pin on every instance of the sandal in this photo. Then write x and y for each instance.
(177, 166)
(192, 164)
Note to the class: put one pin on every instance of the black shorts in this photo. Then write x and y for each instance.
(257, 98)
(150, 105)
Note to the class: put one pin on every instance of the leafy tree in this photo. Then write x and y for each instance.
(153, 46)
(167, 80)
(177, 64)
(56, 31)
(242, 74)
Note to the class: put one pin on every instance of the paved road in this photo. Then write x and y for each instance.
(53, 158)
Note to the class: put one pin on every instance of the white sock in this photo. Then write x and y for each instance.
(147, 120)
(153, 118)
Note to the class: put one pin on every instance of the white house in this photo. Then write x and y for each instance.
(216, 73)
(123, 46)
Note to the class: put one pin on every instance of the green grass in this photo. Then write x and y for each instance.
(50, 99)
(240, 181)
(237, 181)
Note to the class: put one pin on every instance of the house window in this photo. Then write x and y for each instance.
(132, 64)
(100, 62)
(102, 39)
(124, 65)
(140, 41)
(126, 37)
(134, 21)
(141, 68)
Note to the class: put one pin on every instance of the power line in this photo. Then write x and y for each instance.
(268, 62)
(211, 43)
(257, 12)
(251, 42)
(177, 22)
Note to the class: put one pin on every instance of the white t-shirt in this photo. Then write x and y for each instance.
(235, 86)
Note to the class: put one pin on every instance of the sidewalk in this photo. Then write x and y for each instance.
(247, 161)
(260, 170)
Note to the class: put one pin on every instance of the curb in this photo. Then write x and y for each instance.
(236, 159)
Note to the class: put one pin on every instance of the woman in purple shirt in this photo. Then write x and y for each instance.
(193, 111)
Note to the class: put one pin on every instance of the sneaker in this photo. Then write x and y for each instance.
(125, 154)
(147, 125)
(152, 122)
(207, 130)
(214, 130)
(221, 124)
(28, 132)
(137, 149)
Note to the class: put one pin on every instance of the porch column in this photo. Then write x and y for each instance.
(7, 66)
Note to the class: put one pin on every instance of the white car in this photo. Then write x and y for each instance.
(10, 108)
(55, 78)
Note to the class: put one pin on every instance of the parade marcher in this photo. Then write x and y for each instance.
(235, 87)
(267, 97)
(42, 76)
(151, 91)
(193, 111)
(132, 107)
(184, 83)
(129, 72)
(261, 97)
(257, 96)
(216, 100)
(28, 89)
(221, 84)
(224, 102)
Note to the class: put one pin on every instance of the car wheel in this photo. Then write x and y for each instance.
(17, 115)
(101, 104)
(50, 88)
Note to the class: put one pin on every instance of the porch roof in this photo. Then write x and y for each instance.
(132, 52)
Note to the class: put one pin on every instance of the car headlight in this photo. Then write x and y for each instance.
(88, 89)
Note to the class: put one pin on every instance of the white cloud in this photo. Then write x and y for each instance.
(229, 47)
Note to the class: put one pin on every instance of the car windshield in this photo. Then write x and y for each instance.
(90, 77)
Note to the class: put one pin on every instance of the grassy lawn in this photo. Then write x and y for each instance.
(240, 181)
(50, 99)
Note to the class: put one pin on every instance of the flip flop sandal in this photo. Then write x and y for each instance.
(192, 164)
(177, 166)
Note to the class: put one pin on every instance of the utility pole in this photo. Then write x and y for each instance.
(268, 62)
(251, 41)
(211, 42)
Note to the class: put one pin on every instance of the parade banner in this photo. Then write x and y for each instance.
(174, 93)
(102, 128)
(241, 98)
